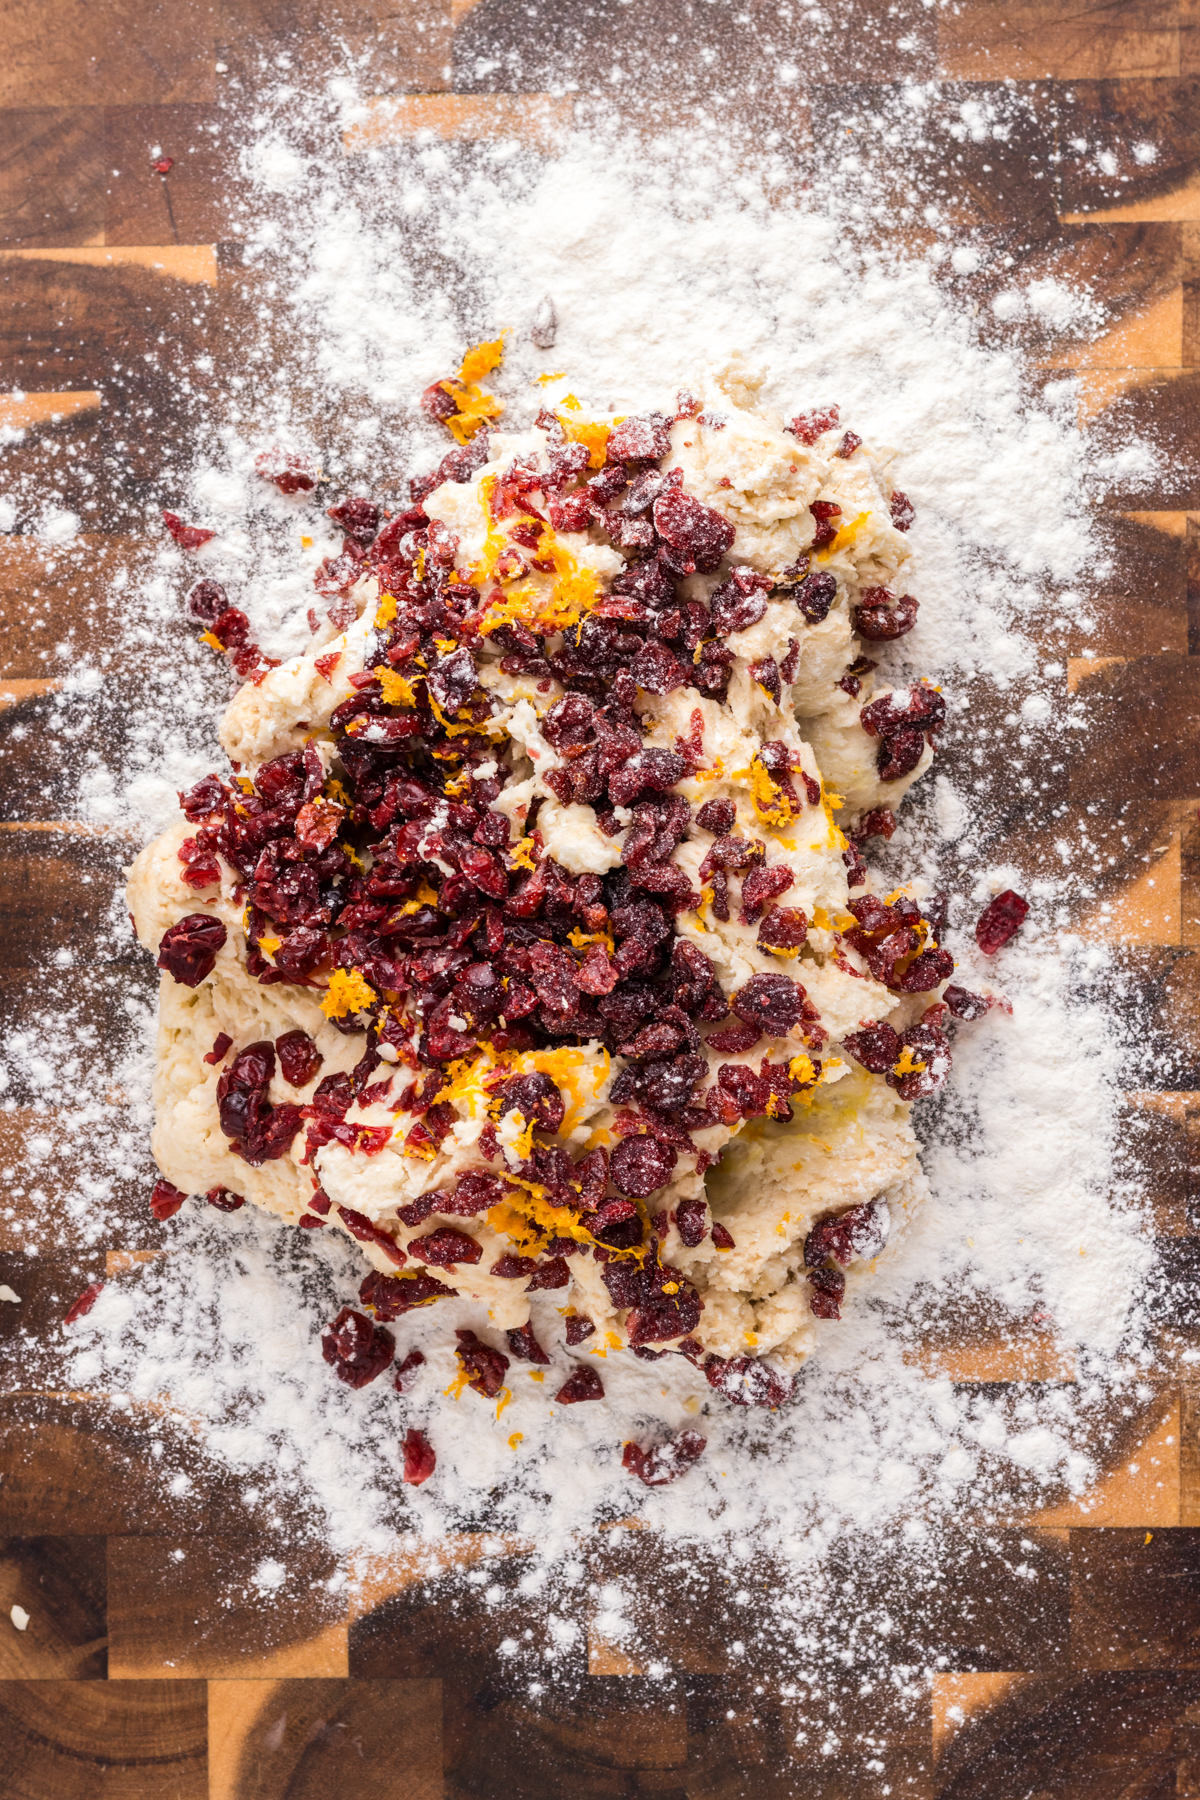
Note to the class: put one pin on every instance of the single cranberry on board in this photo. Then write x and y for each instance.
(81, 1307)
(420, 1458)
(1000, 920)
(664, 1463)
(166, 1200)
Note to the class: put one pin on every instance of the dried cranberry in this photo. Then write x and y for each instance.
(655, 669)
(899, 755)
(747, 1382)
(420, 1458)
(553, 1273)
(483, 1367)
(879, 619)
(285, 469)
(717, 816)
(964, 1004)
(784, 928)
(221, 1043)
(388, 1296)
(1000, 920)
(639, 1166)
(511, 1268)
(579, 1328)
(165, 1201)
(664, 1463)
(358, 518)
(691, 1221)
(773, 1003)
(524, 1345)
(925, 972)
(231, 628)
(849, 444)
(815, 596)
(536, 1098)
(584, 1384)
(643, 438)
(699, 535)
(357, 1350)
(828, 1290)
(722, 1239)
(809, 426)
(918, 707)
(740, 601)
(902, 510)
(188, 537)
(206, 602)
(876, 1046)
(452, 681)
(367, 1232)
(879, 822)
(299, 1058)
(843, 1238)
(406, 1372)
(766, 673)
(761, 885)
(224, 1200)
(80, 1308)
(446, 1248)
(188, 950)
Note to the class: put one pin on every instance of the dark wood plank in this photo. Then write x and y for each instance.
(79, 1466)
(60, 1582)
(1135, 1599)
(69, 1740)
(991, 39)
(1124, 142)
(308, 1740)
(52, 176)
(206, 1606)
(197, 202)
(70, 53)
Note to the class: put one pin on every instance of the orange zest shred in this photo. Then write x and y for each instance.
(349, 992)
(474, 406)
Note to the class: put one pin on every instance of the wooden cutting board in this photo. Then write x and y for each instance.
(1067, 1642)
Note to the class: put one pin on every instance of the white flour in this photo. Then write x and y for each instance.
(374, 272)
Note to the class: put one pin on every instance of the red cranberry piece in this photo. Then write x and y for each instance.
(358, 518)
(809, 426)
(553, 1273)
(1000, 920)
(879, 621)
(231, 628)
(299, 1058)
(570, 512)
(483, 1367)
(927, 971)
(319, 1201)
(221, 1043)
(899, 754)
(438, 403)
(773, 1003)
(524, 1345)
(513, 1268)
(784, 928)
(902, 510)
(80, 1308)
(740, 601)
(815, 596)
(639, 1166)
(717, 816)
(699, 535)
(188, 950)
(722, 1238)
(657, 670)
(287, 470)
(879, 822)
(188, 537)
(406, 1372)
(536, 1098)
(828, 1291)
(918, 707)
(388, 1296)
(579, 1327)
(761, 885)
(849, 444)
(310, 1222)
(964, 1004)
(691, 1221)
(734, 1039)
(643, 438)
(357, 1350)
(225, 1200)
(843, 1238)
(166, 1200)
(584, 1384)
(766, 673)
(452, 681)
(446, 1248)
(420, 1458)
(367, 1232)
(747, 1382)
(664, 1463)
(876, 1046)
(207, 601)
